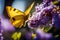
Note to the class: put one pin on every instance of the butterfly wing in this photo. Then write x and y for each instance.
(27, 12)
(29, 9)
(16, 16)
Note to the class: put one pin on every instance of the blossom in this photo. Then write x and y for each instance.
(6, 25)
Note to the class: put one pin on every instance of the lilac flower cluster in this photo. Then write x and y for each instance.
(45, 13)
(1, 37)
(6, 24)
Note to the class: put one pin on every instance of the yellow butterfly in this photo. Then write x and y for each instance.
(18, 17)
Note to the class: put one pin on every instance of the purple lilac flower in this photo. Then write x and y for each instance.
(42, 35)
(38, 19)
(1, 37)
(47, 1)
(56, 21)
(6, 24)
(39, 33)
(28, 35)
(0, 25)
